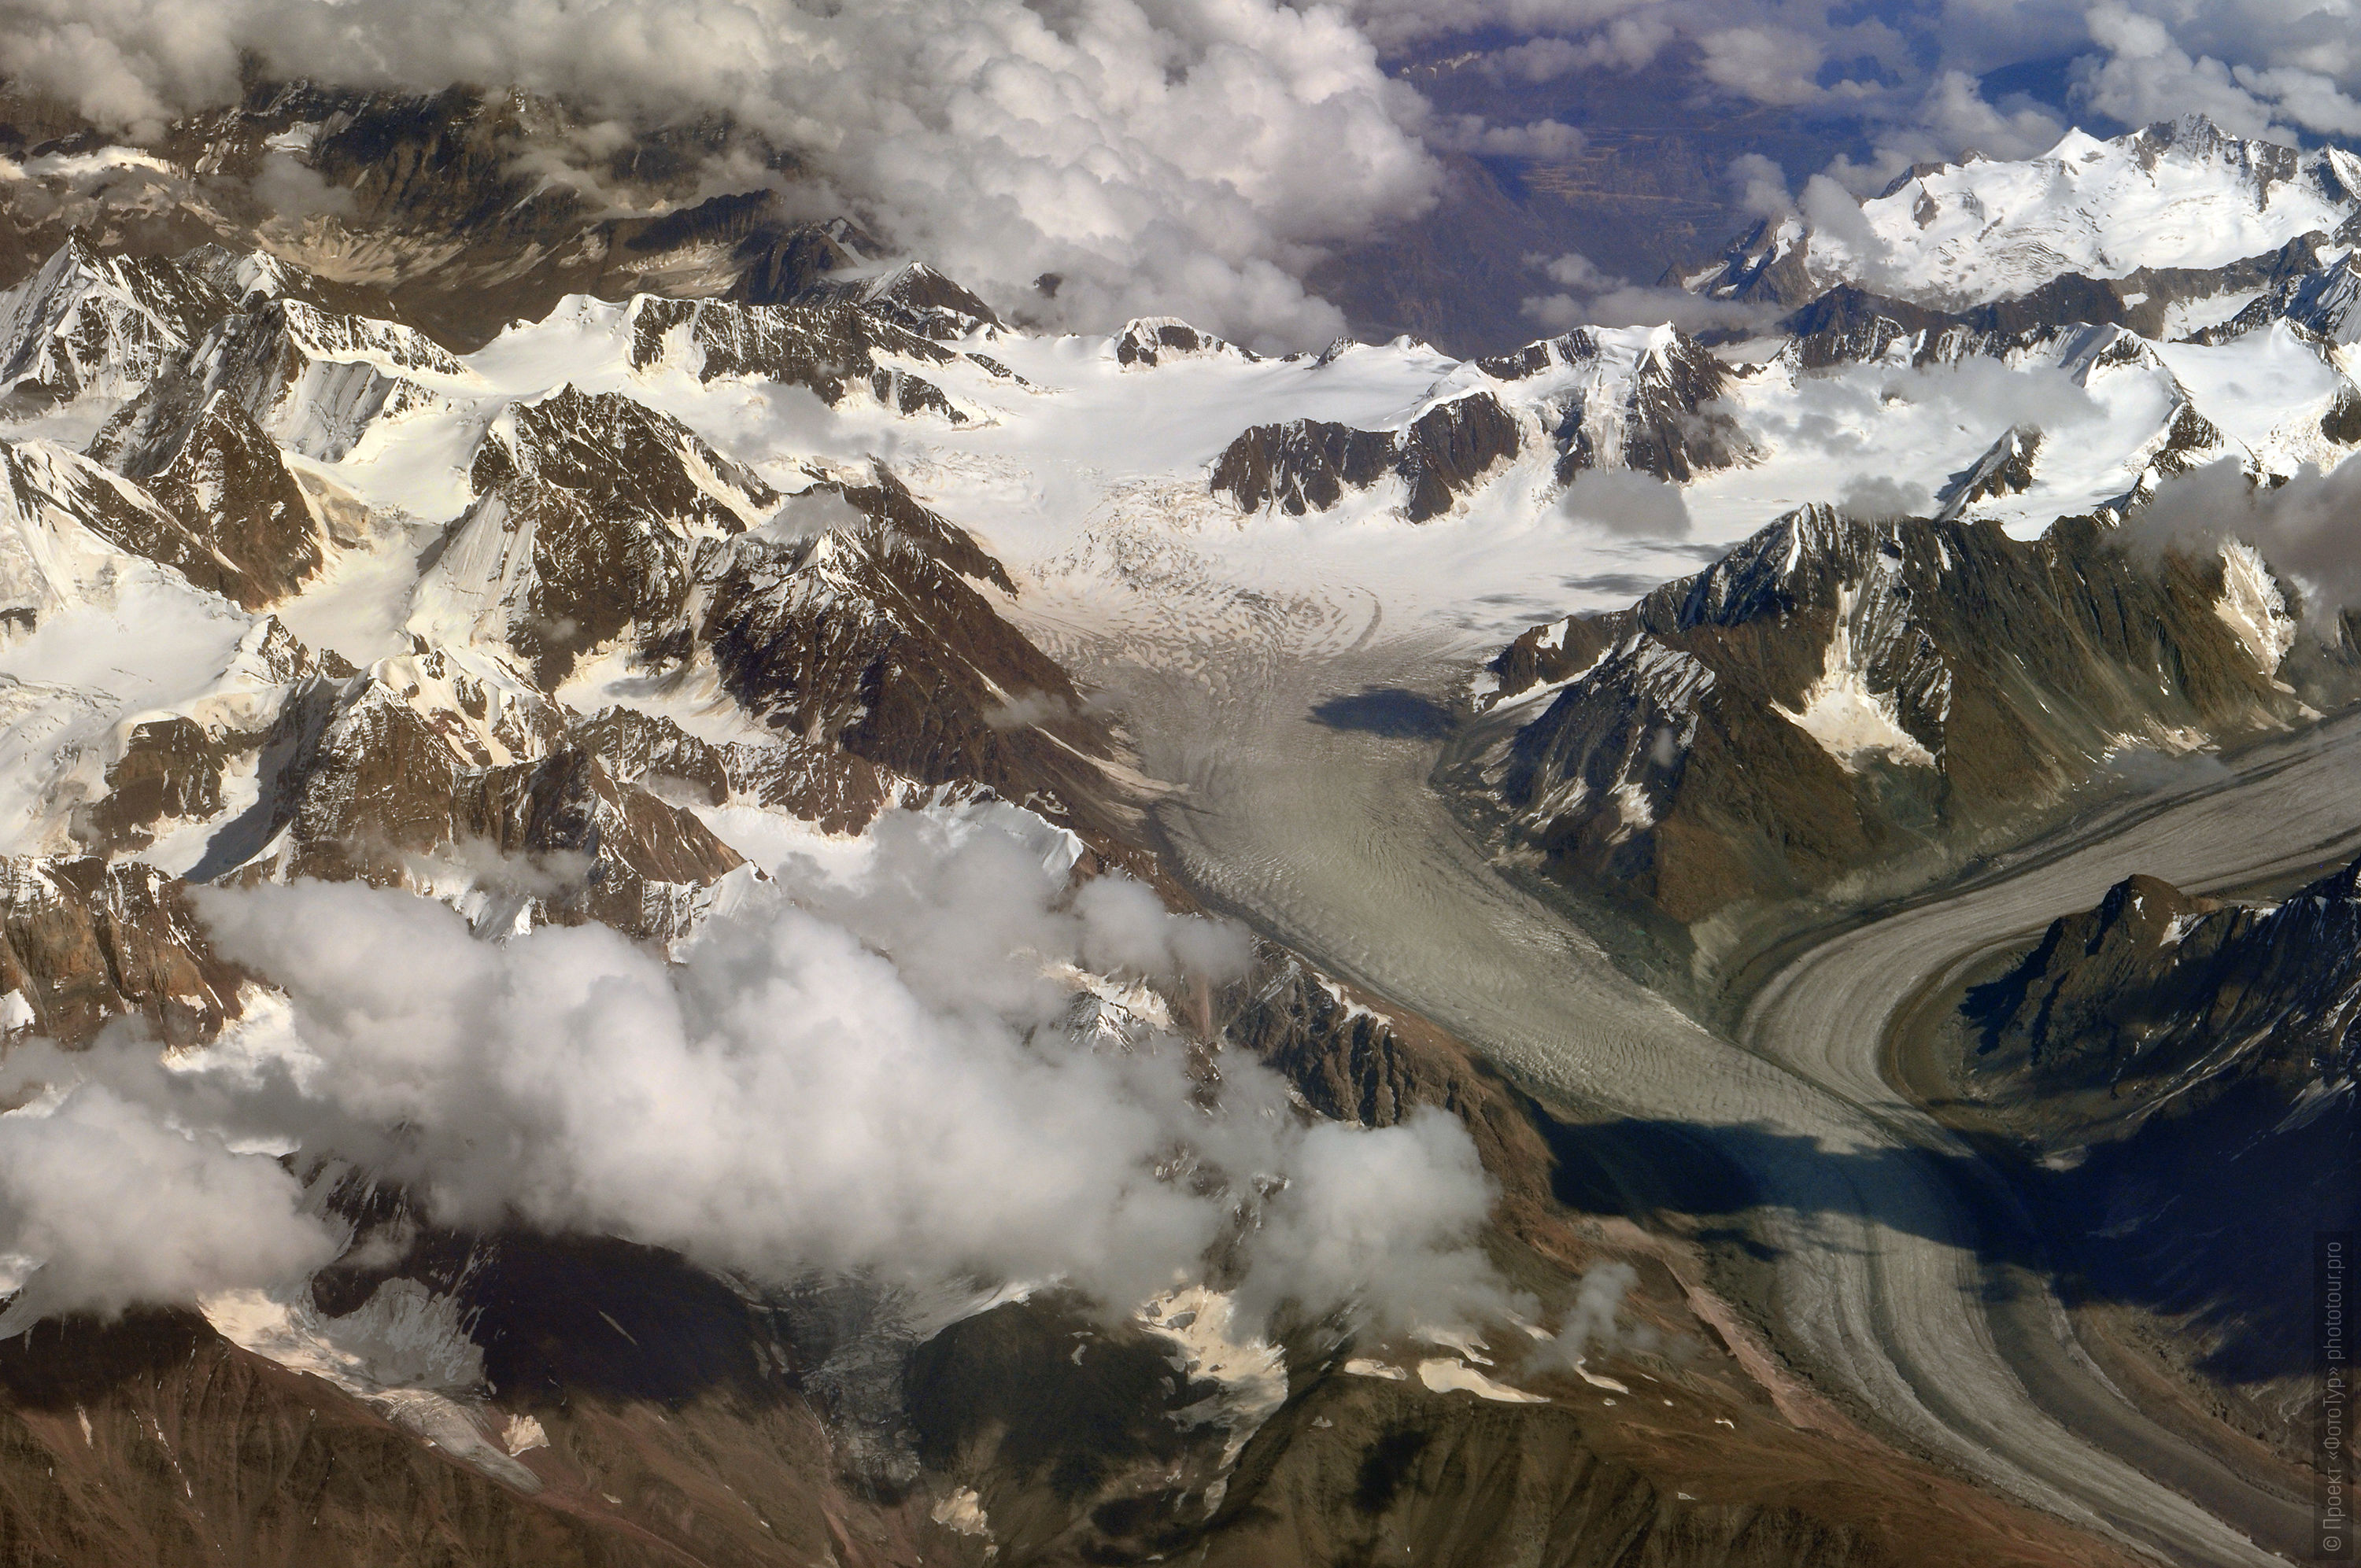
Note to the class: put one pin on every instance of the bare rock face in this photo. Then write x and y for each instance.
(2322, 299)
(83, 941)
(1767, 265)
(1645, 401)
(2005, 469)
(1835, 691)
(645, 748)
(914, 296)
(838, 347)
(1150, 341)
(231, 490)
(873, 639)
(429, 771)
(1303, 465)
(171, 768)
(1849, 325)
(224, 513)
(2155, 984)
(591, 512)
(623, 856)
(1307, 465)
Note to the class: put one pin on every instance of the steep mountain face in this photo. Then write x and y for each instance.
(257, 535)
(314, 379)
(1641, 401)
(2191, 1064)
(444, 772)
(224, 513)
(2156, 993)
(1839, 693)
(87, 324)
(871, 637)
(1307, 465)
(2179, 194)
(1151, 341)
(1634, 400)
(84, 941)
(2319, 300)
(590, 514)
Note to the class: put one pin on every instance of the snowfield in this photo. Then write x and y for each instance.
(1090, 476)
(2182, 195)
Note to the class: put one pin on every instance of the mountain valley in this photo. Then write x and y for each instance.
(672, 892)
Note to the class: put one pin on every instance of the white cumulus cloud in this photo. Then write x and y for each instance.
(898, 1072)
(1183, 156)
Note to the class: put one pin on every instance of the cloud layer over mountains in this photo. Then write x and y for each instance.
(1199, 157)
(2303, 526)
(894, 1073)
(1154, 155)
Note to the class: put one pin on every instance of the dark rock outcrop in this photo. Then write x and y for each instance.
(368, 777)
(2156, 993)
(170, 770)
(83, 941)
(871, 639)
(832, 347)
(610, 503)
(1151, 340)
(256, 538)
(1307, 465)
(2005, 469)
(1836, 693)
(2189, 1066)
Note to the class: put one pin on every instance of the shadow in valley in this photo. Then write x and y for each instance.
(1394, 712)
(2226, 1248)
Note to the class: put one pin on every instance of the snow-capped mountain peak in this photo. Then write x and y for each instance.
(2181, 193)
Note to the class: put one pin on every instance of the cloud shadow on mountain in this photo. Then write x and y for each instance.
(2251, 1290)
(1394, 712)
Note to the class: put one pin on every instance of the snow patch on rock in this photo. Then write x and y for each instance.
(405, 1353)
(2252, 605)
(1250, 1375)
(1446, 1375)
(1840, 711)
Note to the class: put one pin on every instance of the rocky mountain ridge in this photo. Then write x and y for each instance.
(1840, 693)
(2181, 194)
(2181, 1064)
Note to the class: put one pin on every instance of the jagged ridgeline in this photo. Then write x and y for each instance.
(2184, 1063)
(1864, 694)
(1841, 694)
